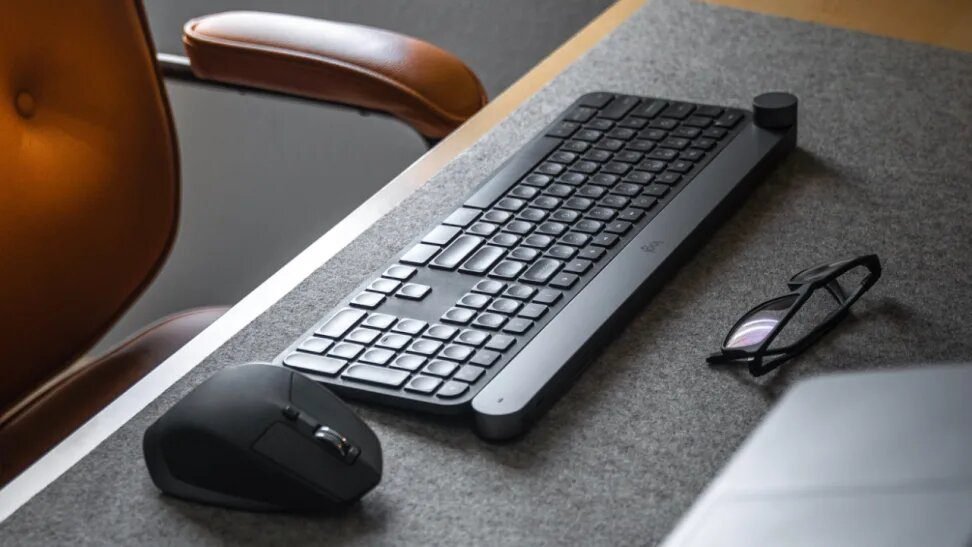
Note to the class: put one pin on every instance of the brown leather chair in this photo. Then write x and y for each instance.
(89, 177)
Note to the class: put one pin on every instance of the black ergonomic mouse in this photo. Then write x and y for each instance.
(261, 437)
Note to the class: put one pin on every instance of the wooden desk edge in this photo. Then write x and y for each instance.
(75, 447)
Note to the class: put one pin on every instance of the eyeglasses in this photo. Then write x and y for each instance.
(781, 328)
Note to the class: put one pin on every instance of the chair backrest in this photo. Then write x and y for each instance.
(89, 179)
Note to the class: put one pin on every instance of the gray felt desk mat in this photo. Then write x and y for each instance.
(883, 166)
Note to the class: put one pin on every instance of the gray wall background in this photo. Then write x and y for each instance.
(262, 177)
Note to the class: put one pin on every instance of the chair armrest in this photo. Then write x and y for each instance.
(417, 82)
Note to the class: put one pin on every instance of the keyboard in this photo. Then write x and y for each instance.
(496, 308)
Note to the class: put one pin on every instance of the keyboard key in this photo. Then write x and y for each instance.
(461, 217)
(484, 229)
(423, 384)
(520, 292)
(596, 99)
(408, 362)
(610, 144)
(622, 133)
(469, 373)
(653, 134)
(615, 202)
(518, 326)
(589, 226)
(419, 254)
(655, 166)
(626, 189)
(424, 346)
(518, 227)
(663, 154)
(631, 214)
(542, 270)
(414, 291)
(472, 337)
(592, 253)
(562, 156)
(497, 217)
(599, 156)
(440, 368)
(375, 375)
(573, 179)
(345, 350)
(561, 252)
(341, 323)
(616, 168)
(533, 311)
(591, 191)
(697, 122)
(692, 154)
(508, 269)
(399, 272)
(709, 111)
(581, 114)
(576, 239)
(663, 123)
(605, 240)
(533, 179)
(704, 144)
(618, 227)
(524, 192)
(486, 358)
(656, 190)
(564, 281)
(641, 145)
(579, 204)
(504, 305)
(458, 316)
(384, 286)
(538, 241)
(377, 356)
(546, 202)
(363, 336)
(686, 132)
(550, 168)
(601, 213)
(589, 135)
(488, 286)
(649, 108)
(490, 321)
(452, 390)
(563, 130)
(441, 235)
(619, 107)
(441, 332)
(644, 202)
(455, 352)
(504, 240)
(473, 301)
(409, 326)
(510, 204)
(668, 178)
(315, 345)
(482, 260)
(714, 133)
(368, 300)
(499, 343)
(552, 228)
(524, 254)
(729, 119)
(633, 123)
(558, 190)
(379, 321)
(678, 110)
(455, 253)
(547, 296)
(394, 341)
(532, 215)
(565, 216)
(677, 143)
(314, 363)
(579, 266)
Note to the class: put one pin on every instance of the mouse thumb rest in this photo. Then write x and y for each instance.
(263, 437)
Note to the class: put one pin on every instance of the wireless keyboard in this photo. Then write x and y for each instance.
(497, 307)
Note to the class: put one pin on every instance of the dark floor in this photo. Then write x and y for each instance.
(262, 178)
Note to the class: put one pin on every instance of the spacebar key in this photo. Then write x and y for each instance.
(457, 252)
(375, 375)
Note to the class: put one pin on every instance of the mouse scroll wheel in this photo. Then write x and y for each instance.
(338, 443)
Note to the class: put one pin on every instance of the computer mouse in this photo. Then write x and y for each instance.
(261, 437)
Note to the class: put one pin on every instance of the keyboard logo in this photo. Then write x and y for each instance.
(651, 246)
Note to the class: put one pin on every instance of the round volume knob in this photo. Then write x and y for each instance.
(775, 110)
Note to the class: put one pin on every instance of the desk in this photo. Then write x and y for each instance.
(882, 166)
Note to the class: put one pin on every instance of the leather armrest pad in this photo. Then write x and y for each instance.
(423, 85)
